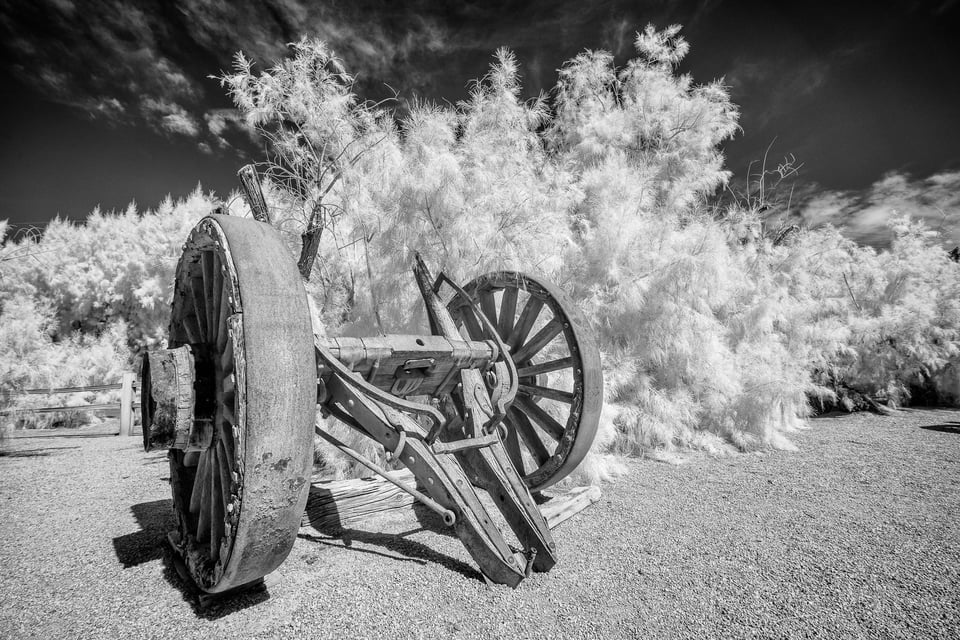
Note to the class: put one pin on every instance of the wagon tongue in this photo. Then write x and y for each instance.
(479, 405)
(448, 470)
(453, 452)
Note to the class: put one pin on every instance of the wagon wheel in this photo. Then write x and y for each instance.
(553, 419)
(240, 305)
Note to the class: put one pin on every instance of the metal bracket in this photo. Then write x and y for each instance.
(506, 389)
(410, 375)
(466, 444)
(393, 402)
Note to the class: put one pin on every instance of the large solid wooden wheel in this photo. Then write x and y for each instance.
(553, 420)
(240, 305)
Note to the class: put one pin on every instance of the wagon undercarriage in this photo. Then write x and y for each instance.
(503, 396)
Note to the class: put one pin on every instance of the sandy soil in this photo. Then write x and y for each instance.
(856, 535)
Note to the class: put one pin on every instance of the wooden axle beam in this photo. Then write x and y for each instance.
(410, 365)
(399, 365)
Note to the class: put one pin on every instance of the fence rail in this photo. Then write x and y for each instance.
(126, 404)
(95, 387)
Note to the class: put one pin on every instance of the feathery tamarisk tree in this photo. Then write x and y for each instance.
(317, 131)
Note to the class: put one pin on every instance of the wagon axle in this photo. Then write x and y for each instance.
(503, 396)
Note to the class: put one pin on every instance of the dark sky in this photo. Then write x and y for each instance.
(106, 101)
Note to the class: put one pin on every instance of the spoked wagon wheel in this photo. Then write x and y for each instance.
(553, 419)
(240, 492)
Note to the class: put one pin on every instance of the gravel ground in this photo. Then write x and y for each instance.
(856, 535)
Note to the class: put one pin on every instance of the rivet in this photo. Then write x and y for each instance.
(411, 460)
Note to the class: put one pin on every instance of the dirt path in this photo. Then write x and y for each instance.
(857, 535)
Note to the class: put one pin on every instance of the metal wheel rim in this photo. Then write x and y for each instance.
(556, 445)
(217, 511)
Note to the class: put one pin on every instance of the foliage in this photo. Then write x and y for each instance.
(78, 302)
(317, 130)
(715, 333)
(30, 359)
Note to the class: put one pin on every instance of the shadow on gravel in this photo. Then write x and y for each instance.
(211, 606)
(949, 427)
(396, 545)
(155, 520)
(32, 453)
(431, 520)
(340, 531)
(150, 543)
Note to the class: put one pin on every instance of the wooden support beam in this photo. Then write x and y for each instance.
(347, 503)
(250, 182)
(126, 403)
(569, 504)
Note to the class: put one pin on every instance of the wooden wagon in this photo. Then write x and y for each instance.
(503, 396)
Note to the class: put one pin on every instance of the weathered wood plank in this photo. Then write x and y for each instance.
(169, 375)
(253, 194)
(565, 506)
(346, 503)
(94, 387)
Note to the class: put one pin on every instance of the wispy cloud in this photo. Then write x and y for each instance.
(140, 63)
(864, 215)
(782, 81)
(108, 58)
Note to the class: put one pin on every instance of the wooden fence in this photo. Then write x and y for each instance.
(126, 405)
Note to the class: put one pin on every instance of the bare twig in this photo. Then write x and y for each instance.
(853, 297)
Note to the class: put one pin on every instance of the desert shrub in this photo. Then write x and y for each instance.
(602, 190)
(31, 359)
(79, 301)
(902, 312)
(113, 267)
(715, 332)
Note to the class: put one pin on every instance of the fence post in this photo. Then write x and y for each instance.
(126, 404)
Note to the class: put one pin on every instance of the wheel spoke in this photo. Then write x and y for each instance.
(223, 329)
(226, 358)
(546, 421)
(529, 436)
(471, 323)
(546, 392)
(192, 327)
(217, 506)
(529, 315)
(228, 414)
(198, 483)
(203, 520)
(508, 309)
(210, 293)
(226, 430)
(225, 458)
(488, 305)
(545, 367)
(550, 331)
(199, 307)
